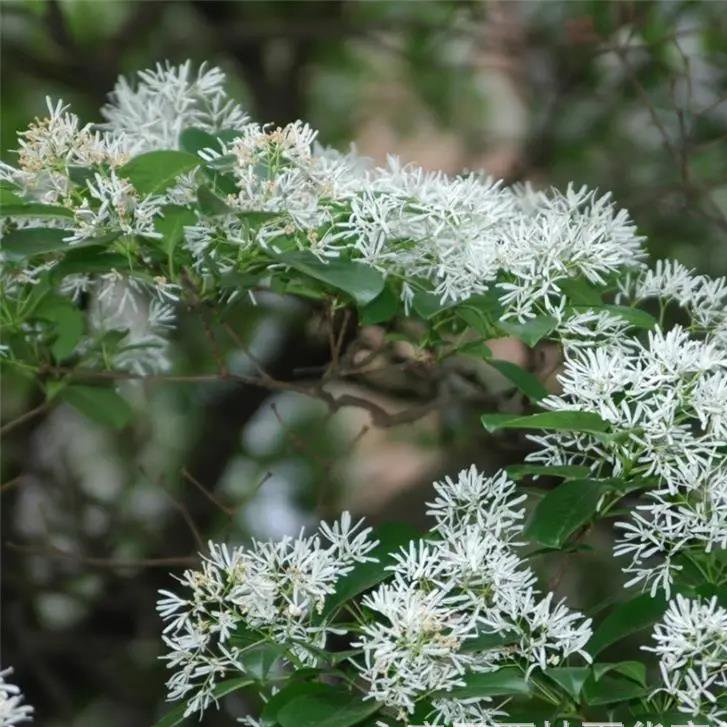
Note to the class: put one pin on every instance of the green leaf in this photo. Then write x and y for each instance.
(391, 537)
(292, 690)
(570, 678)
(709, 590)
(328, 708)
(476, 349)
(361, 282)
(612, 689)
(532, 331)
(34, 209)
(635, 316)
(195, 140)
(154, 171)
(625, 619)
(69, 322)
(634, 670)
(101, 404)
(427, 305)
(382, 308)
(176, 715)
(558, 421)
(210, 204)
(581, 293)
(485, 641)
(92, 259)
(172, 225)
(259, 660)
(528, 383)
(563, 510)
(567, 471)
(9, 194)
(504, 681)
(34, 241)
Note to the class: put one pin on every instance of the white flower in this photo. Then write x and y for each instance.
(275, 589)
(166, 100)
(52, 145)
(691, 644)
(464, 582)
(417, 647)
(115, 207)
(12, 709)
(122, 304)
(490, 503)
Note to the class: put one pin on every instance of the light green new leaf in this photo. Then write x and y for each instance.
(293, 689)
(258, 660)
(566, 471)
(154, 171)
(92, 259)
(581, 293)
(361, 282)
(210, 204)
(101, 404)
(427, 305)
(557, 421)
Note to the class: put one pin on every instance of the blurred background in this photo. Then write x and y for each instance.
(629, 97)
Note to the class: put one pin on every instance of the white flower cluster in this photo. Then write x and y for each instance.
(464, 583)
(12, 709)
(666, 403)
(52, 147)
(279, 191)
(702, 297)
(691, 644)
(454, 237)
(165, 101)
(294, 189)
(277, 589)
(113, 204)
(123, 307)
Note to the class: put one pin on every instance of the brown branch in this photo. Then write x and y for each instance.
(10, 484)
(96, 562)
(229, 511)
(379, 416)
(23, 418)
(692, 190)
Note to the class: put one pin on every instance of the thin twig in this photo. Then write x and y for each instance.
(10, 484)
(229, 511)
(181, 508)
(23, 418)
(121, 563)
